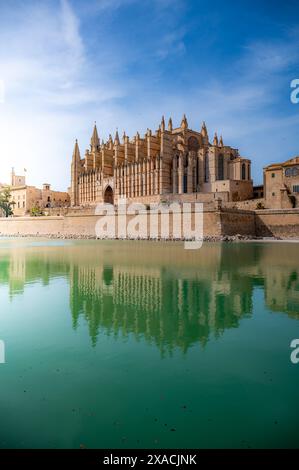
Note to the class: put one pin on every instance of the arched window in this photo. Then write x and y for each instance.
(207, 170)
(185, 182)
(186, 162)
(220, 167)
(197, 174)
(185, 177)
(108, 195)
(249, 175)
(142, 185)
(243, 171)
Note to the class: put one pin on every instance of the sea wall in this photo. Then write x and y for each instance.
(234, 222)
(282, 223)
(166, 226)
(216, 223)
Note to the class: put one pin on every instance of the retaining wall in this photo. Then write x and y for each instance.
(216, 223)
(85, 225)
(282, 223)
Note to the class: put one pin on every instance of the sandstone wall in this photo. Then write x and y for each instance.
(278, 223)
(249, 204)
(85, 225)
(262, 223)
(234, 222)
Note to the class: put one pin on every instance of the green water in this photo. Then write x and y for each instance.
(140, 344)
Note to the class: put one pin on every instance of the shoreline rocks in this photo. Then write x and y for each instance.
(210, 239)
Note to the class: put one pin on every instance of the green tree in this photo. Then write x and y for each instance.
(6, 204)
(36, 211)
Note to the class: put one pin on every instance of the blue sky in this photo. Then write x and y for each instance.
(124, 63)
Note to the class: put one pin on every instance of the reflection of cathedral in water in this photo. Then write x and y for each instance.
(163, 293)
(165, 308)
(176, 303)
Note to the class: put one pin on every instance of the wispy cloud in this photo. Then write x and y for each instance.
(125, 63)
(49, 84)
(171, 43)
(272, 56)
(70, 31)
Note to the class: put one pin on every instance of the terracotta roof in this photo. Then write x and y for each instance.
(273, 166)
(291, 161)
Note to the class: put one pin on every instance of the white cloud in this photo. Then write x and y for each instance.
(70, 31)
(55, 88)
(49, 83)
(172, 43)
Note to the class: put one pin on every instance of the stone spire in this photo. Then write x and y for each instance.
(221, 141)
(215, 141)
(170, 125)
(75, 172)
(184, 123)
(110, 142)
(204, 131)
(116, 138)
(162, 126)
(13, 176)
(95, 141)
(76, 152)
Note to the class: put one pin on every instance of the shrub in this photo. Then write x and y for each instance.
(36, 211)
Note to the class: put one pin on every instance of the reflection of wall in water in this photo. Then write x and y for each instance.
(282, 291)
(24, 267)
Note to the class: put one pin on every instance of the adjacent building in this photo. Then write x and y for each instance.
(170, 164)
(281, 184)
(27, 197)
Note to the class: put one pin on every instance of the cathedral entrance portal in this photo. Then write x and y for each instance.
(108, 195)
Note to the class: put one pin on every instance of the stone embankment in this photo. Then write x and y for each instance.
(221, 238)
(218, 225)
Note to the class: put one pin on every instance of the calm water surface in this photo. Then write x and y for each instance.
(140, 344)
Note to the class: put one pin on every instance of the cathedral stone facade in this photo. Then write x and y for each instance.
(171, 164)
